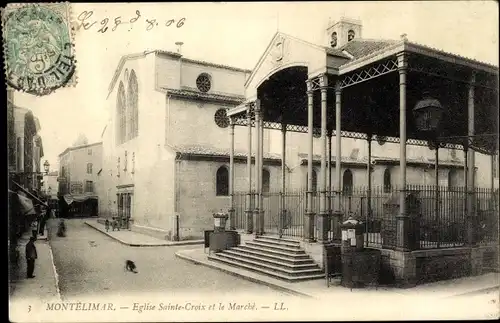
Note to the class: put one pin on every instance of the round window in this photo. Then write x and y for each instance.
(203, 82)
(221, 118)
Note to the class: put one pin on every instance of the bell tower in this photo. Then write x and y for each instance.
(343, 31)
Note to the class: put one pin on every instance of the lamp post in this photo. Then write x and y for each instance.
(46, 167)
(428, 113)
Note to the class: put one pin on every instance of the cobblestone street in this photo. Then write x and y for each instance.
(90, 263)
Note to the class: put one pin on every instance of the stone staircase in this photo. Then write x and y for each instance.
(272, 256)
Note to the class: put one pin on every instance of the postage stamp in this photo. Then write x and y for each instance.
(38, 47)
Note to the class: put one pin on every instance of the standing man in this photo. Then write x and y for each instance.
(34, 228)
(31, 255)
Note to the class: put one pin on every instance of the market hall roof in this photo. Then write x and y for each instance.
(280, 74)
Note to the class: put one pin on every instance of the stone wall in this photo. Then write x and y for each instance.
(406, 269)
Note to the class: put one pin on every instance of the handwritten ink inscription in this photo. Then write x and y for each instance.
(86, 20)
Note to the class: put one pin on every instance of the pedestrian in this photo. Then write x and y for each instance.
(34, 228)
(31, 256)
(106, 225)
(45, 216)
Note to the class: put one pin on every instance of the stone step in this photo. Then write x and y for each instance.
(275, 237)
(278, 257)
(275, 252)
(284, 270)
(270, 246)
(280, 263)
(266, 271)
(288, 244)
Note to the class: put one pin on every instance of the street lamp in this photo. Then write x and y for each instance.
(46, 166)
(428, 113)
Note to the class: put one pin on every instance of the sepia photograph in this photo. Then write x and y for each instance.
(252, 161)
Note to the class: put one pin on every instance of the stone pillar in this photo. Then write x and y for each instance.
(231, 211)
(309, 219)
(282, 217)
(337, 214)
(403, 220)
(249, 206)
(323, 213)
(20, 153)
(258, 170)
(471, 207)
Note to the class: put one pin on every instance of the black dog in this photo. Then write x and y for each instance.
(130, 266)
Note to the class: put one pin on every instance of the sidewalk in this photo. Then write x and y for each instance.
(317, 288)
(44, 286)
(135, 239)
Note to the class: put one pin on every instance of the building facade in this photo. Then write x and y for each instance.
(166, 146)
(50, 186)
(25, 149)
(78, 169)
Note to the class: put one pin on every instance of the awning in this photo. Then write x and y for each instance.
(78, 198)
(26, 205)
(29, 194)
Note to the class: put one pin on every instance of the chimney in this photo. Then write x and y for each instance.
(179, 47)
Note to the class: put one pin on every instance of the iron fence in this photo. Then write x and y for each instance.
(432, 225)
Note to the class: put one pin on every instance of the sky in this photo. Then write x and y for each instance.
(237, 34)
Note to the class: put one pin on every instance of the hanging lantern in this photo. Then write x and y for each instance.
(428, 113)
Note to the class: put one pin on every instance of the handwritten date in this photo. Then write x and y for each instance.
(87, 22)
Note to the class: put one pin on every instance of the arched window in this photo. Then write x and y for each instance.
(121, 121)
(314, 180)
(133, 109)
(347, 182)
(333, 40)
(266, 178)
(350, 35)
(222, 182)
(387, 180)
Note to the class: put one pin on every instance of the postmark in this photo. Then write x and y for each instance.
(38, 47)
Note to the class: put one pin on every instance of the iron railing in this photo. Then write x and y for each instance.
(441, 225)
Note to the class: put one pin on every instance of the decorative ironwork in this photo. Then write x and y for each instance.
(427, 71)
(315, 83)
(221, 118)
(203, 82)
(369, 73)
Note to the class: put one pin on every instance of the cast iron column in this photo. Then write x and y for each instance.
(369, 218)
(436, 200)
(471, 210)
(337, 215)
(323, 211)
(309, 220)
(329, 167)
(282, 218)
(249, 206)
(232, 224)
(403, 221)
(261, 169)
(258, 170)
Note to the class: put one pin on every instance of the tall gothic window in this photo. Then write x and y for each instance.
(266, 181)
(452, 179)
(121, 121)
(347, 182)
(387, 180)
(222, 181)
(133, 110)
